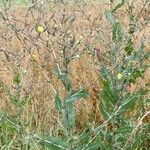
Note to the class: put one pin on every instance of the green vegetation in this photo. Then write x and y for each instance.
(16, 3)
(122, 64)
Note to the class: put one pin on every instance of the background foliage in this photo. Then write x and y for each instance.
(74, 75)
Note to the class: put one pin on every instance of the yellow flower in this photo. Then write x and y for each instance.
(34, 56)
(40, 29)
(119, 76)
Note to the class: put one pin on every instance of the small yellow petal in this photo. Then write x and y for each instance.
(34, 56)
(40, 29)
(119, 76)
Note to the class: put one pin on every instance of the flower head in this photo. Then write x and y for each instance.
(40, 29)
(119, 76)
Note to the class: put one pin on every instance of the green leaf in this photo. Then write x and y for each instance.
(8, 145)
(58, 103)
(105, 73)
(9, 124)
(97, 145)
(63, 76)
(118, 6)
(109, 96)
(109, 16)
(17, 79)
(15, 99)
(124, 130)
(65, 118)
(65, 80)
(84, 137)
(116, 33)
(71, 115)
(54, 143)
(105, 111)
(68, 115)
(75, 95)
(94, 145)
(129, 102)
(108, 93)
(129, 48)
